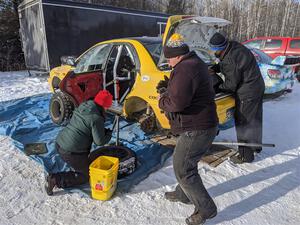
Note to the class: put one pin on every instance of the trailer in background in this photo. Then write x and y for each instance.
(53, 28)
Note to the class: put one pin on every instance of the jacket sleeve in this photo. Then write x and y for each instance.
(98, 132)
(233, 73)
(179, 94)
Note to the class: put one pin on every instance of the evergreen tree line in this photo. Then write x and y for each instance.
(250, 18)
(11, 55)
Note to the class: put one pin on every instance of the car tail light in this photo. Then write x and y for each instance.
(274, 73)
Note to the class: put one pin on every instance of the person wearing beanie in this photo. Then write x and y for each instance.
(188, 102)
(74, 141)
(244, 80)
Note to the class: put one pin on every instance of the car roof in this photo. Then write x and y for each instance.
(147, 40)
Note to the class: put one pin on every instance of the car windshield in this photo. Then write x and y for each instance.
(261, 56)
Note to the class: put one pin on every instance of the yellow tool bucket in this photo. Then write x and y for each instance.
(103, 177)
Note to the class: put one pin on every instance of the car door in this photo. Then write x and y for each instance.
(120, 71)
(87, 78)
(293, 47)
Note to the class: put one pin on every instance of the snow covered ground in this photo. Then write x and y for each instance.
(266, 191)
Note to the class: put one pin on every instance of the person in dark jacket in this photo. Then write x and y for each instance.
(244, 80)
(188, 102)
(74, 142)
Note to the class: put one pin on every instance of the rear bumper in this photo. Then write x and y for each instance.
(279, 86)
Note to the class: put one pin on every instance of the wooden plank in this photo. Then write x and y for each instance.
(222, 159)
(214, 157)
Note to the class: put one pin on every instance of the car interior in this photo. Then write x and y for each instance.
(120, 67)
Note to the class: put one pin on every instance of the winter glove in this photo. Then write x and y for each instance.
(162, 85)
(213, 69)
(108, 134)
(173, 115)
(161, 90)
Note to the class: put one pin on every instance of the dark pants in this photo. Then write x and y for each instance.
(189, 149)
(79, 163)
(248, 121)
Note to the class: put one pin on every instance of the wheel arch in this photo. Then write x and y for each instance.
(135, 104)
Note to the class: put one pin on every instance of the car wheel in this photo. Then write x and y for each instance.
(127, 158)
(148, 123)
(61, 108)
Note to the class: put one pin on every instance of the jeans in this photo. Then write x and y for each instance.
(80, 165)
(248, 121)
(190, 147)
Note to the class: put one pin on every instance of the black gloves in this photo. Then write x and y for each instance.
(162, 85)
(108, 132)
(214, 69)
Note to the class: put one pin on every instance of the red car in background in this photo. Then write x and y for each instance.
(275, 46)
(278, 46)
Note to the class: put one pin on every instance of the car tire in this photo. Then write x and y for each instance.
(127, 158)
(61, 108)
(148, 123)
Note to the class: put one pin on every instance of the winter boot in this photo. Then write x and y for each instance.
(173, 197)
(197, 219)
(236, 159)
(258, 150)
(50, 184)
(245, 155)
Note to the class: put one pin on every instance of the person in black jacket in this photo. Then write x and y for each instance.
(74, 142)
(188, 102)
(244, 80)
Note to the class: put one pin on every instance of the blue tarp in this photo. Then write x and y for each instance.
(27, 120)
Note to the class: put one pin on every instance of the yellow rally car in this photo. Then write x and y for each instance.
(130, 69)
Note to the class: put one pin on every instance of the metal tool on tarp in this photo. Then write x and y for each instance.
(116, 126)
(35, 148)
(231, 143)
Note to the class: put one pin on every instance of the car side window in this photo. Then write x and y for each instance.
(254, 44)
(295, 44)
(273, 43)
(93, 60)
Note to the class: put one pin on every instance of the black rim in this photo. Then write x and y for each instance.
(56, 109)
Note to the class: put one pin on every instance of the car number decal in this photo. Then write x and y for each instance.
(145, 78)
(153, 97)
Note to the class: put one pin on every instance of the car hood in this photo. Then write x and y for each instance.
(195, 30)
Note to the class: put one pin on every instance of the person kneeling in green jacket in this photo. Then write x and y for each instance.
(74, 142)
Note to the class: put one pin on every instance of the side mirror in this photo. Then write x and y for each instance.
(279, 60)
(68, 60)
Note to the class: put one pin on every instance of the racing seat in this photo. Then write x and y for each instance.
(125, 70)
(125, 65)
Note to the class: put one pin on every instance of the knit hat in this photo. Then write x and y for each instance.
(175, 46)
(218, 42)
(104, 99)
